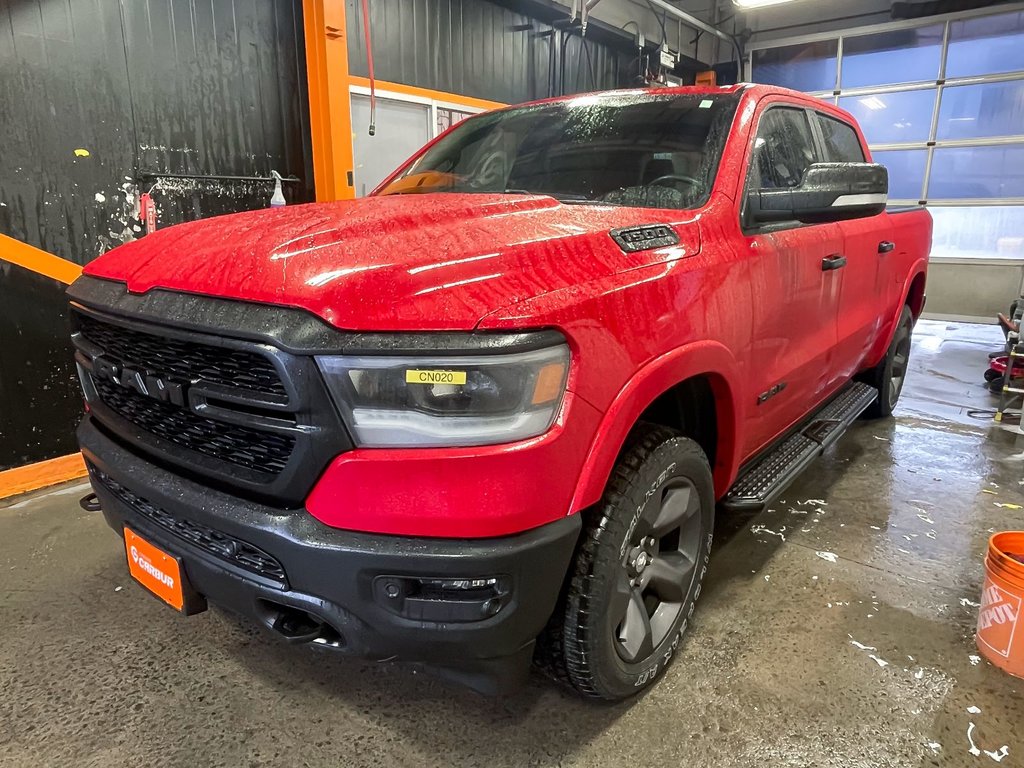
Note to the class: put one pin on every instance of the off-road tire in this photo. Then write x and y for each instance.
(583, 644)
(890, 375)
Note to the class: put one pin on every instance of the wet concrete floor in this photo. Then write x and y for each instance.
(93, 672)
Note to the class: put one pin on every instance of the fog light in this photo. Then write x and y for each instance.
(443, 599)
(458, 584)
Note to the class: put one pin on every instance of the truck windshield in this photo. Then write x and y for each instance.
(643, 150)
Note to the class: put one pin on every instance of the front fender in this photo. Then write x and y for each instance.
(703, 358)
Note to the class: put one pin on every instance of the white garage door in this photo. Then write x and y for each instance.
(402, 128)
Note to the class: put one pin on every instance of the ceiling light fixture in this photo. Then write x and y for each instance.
(873, 103)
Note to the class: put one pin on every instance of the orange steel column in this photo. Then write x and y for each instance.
(330, 106)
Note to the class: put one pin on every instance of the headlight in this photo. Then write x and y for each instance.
(448, 401)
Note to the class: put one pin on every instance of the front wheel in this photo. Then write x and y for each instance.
(890, 374)
(639, 569)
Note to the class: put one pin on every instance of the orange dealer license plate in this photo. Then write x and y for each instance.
(160, 573)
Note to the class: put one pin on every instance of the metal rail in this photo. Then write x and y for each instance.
(703, 26)
(213, 177)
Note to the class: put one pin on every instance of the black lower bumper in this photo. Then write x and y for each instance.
(470, 608)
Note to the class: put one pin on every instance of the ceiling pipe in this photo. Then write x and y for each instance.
(693, 21)
(585, 14)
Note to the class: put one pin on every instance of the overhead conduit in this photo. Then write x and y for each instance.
(703, 26)
(681, 15)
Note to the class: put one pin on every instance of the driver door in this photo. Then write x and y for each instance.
(795, 300)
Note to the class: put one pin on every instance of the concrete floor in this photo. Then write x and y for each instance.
(93, 672)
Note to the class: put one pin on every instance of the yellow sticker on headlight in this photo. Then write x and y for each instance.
(435, 377)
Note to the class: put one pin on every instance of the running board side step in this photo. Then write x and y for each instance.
(763, 480)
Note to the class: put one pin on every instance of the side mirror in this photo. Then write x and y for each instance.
(827, 192)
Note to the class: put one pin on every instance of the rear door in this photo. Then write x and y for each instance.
(794, 300)
(864, 278)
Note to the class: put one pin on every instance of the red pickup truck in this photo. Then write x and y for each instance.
(485, 415)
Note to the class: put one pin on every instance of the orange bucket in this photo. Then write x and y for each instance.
(1000, 623)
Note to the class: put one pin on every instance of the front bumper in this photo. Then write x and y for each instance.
(374, 596)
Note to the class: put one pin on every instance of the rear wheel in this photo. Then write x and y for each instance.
(889, 376)
(638, 572)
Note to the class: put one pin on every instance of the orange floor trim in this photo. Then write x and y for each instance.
(32, 477)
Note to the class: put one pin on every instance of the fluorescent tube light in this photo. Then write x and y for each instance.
(873, 103)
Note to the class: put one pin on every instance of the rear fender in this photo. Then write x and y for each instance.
(919, 268)
(705, 358)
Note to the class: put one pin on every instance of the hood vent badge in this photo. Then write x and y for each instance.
(633, 239)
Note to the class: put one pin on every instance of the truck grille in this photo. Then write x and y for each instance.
(244, 373)
(186, 360)
(247, 415)
(253, 449)
(234, 551)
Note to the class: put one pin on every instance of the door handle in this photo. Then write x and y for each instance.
(885, 246)
(835, 261)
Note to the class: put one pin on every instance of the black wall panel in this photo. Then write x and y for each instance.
(63, 86)
(218, 87)
(40, 402)
(164, 86)
(482, 49)
(173, 86)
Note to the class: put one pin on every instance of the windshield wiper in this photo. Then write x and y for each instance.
(562, 198)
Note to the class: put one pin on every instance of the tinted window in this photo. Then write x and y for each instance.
(808, 67)
(783, 149)
(977, 172)
(980, 111)
(898, 117)
(906, 171)
(985, 45)
(984, 231)
(841, 142)
(645, 151)
(899, 56)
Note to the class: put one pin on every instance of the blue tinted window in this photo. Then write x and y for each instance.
(976, 111)
(977, 172)
(906, 172)
(842, 145)
(810, 67)
(901, 56)
(985, 45)
(891, 118)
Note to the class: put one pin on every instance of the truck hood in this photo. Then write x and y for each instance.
(401, 262)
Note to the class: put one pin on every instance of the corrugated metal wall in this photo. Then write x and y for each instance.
(478, 48)
(172, 86)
